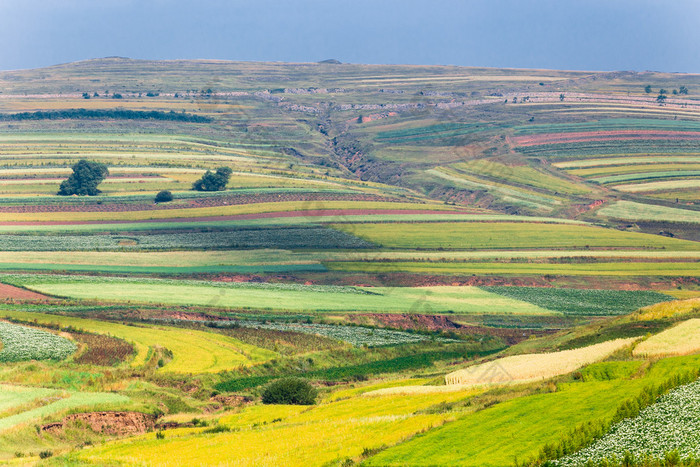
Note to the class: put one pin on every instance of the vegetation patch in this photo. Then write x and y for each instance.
(591, 302)
(21, 343)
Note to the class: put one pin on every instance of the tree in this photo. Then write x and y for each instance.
(84, 179)
(86, 95)
(683, 90)
(295, 391)
(213, 181)
(647, 88)
(561, 97)
(164, 196)
(661, 98)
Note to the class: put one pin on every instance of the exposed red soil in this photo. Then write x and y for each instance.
(16, 293)
(579, 137)
(339, 213)
(409, 321)
(441, 323)
(110, 423)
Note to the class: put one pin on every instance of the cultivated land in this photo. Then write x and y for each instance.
(471, 266)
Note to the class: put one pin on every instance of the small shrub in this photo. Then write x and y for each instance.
(218, 429)
(160, 435)
(164, 196)
(295, 391)
(45, 454)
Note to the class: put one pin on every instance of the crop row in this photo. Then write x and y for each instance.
(646, 212)
(355, 335)
(21, 343)
(283, 238)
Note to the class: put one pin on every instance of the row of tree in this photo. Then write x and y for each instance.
(87, 175)
(114, 114)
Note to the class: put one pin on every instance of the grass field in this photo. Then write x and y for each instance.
(510, 431)
(330, 432)
(636, 211)
(504, 235)
(284, 298)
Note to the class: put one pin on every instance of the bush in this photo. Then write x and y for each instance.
(213, 181)
(164, 197)
(84, 179)
(45, 454)
(295, 391)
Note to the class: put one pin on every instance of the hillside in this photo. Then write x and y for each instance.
(382, 228)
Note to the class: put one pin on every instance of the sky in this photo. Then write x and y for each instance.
(638, 35)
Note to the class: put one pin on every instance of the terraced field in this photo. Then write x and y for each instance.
(385, 230)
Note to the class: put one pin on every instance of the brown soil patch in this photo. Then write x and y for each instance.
(110, 423)
(16, 293)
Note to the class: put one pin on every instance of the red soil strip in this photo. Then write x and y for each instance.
(578, 137)
(339, 213)
(311, 198)
(12, 292)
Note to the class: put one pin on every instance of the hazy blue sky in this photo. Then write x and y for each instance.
(566, 34)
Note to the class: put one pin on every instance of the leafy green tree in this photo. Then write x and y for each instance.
(683, 90)
(213, 181)
(647, 88)
(295, 391)
(84, 179)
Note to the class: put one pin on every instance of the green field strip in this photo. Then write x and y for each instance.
(684, 269)
(12, 396)
(73, 401)
(554, 255)
(174, 270)
(646, 176)
(660, 158)
(226, 210)
(658, 186)
(583, 301)
(282, 297)
(504, 235)
(516, 429)
(282, 221)
(629, 210)
(511, 194)
(609, 124)
(524, 175)
(631, 168)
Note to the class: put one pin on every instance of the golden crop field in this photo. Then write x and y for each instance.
(533, 367)
(682, 339)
